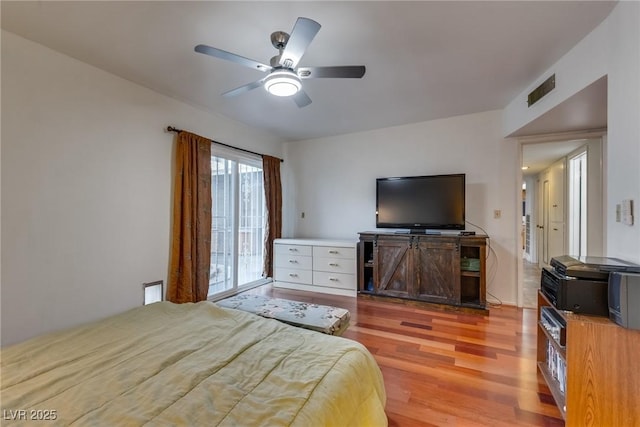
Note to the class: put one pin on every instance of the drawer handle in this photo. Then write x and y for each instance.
(293, 275)
(293, 249)
(293, 261)
(333, 252)
(333, 279)
(334, 264)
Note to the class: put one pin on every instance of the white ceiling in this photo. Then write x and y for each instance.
(425, 60)
(538, 157)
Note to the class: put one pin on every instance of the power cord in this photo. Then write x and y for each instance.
(491, 271)
(488, 238)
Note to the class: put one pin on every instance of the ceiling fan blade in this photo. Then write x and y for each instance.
(242, 89)
(301, 98)
(302, 34)
(228, 56)
(347, 72)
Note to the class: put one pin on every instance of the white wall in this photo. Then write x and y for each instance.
(623, 142)
(86, 187)
(582, 65)
(613, 48)
(596, 228)
(332, 180)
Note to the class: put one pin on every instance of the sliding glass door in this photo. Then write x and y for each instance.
(238, 216)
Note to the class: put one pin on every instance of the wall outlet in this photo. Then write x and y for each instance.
(497, 214)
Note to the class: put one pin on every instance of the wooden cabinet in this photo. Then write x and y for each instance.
(317, 265)
(392, 268)
(441, 269)
(438, 270)
(594, 378)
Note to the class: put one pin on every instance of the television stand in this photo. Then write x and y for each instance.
(444, 269)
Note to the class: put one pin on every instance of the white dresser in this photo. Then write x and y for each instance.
(318, 265)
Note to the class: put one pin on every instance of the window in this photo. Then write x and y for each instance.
(578, 204)
(238, 218)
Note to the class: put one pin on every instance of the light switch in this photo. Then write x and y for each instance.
(627, 212)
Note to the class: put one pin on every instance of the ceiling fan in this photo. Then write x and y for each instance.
(284, 76)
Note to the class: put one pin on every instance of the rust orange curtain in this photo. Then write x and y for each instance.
(191, 234)
(273, 196)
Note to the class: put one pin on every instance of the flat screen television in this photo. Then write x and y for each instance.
(435, 202)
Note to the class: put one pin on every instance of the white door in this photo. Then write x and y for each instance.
(543, 242)
(556, 228)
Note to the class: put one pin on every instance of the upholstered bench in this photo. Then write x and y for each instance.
(320, 318)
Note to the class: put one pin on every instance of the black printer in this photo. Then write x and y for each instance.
(580, 284)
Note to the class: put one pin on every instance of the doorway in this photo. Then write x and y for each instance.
(564, 207)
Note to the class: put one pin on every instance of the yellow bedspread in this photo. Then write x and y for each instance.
(191, 365)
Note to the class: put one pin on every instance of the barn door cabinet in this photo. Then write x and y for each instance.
(441, 269)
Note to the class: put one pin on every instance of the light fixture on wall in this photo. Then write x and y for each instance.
(153, 292)
(524, 168)
(282, 83)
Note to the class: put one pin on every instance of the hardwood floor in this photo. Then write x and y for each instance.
(443, 368)
(531, 276)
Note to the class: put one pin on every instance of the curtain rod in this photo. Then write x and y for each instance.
(176, 130)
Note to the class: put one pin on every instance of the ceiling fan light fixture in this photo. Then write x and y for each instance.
(282, 83)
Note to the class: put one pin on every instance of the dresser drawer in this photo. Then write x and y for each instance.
(292, 275)
(318, 265)
(334, 280)
(334, 252)
(293, 261)
(292, 249)
(334, 265)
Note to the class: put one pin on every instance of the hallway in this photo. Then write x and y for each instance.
(531, 284)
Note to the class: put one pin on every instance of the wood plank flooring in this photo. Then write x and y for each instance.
(443, 368)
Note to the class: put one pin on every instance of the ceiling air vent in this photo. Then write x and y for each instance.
(538, 93)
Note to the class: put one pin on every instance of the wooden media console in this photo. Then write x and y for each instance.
(445, 269)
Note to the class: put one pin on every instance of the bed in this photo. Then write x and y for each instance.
(191, 364)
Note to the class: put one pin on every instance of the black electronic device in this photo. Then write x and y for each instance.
(554, 324)
(435, 202)
(588, 267)
(583, 296)
(581, 284)
(624, 299)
